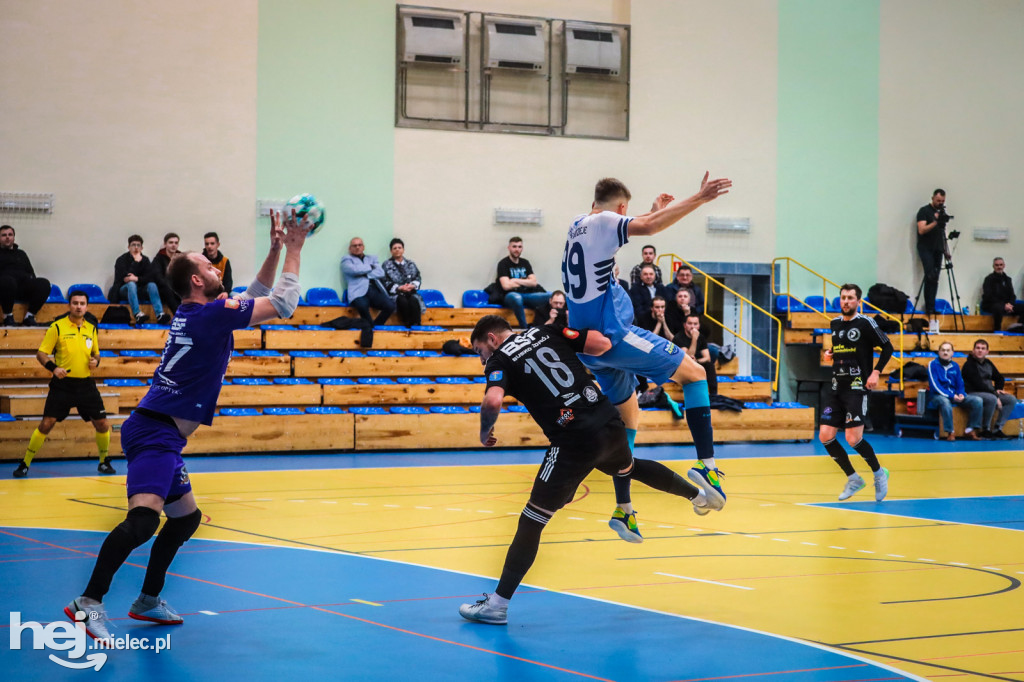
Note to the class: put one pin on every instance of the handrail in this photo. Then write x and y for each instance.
(825, 282)
(708, 279)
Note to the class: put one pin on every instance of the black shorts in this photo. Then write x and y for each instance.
(79, 393)
(566, 465)
(844, 407)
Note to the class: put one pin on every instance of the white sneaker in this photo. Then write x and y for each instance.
(484, 611)
(881, 484)
(93, 619)
(852, 485)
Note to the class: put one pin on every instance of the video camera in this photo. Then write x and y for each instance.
(941, 217)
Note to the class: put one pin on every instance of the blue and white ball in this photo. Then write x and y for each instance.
(309, 212)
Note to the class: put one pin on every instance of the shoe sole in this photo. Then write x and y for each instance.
(716, 500)
(160, 621)
(863, 485)
(71, 615)
(701, 511)
(624, 532)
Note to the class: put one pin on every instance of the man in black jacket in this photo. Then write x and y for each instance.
(158, 271)
(18, 281)
(132, 272)
(643, 292)
(981, 378)
(997, 296)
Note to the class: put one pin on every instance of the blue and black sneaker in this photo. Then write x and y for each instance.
(710, 481)
(625, 525)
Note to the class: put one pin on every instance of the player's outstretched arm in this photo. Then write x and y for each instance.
(265, 277)
(655, 222)
(283, 300)
(490, 408)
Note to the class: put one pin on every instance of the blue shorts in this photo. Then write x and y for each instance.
(640, 352)
(153, 451)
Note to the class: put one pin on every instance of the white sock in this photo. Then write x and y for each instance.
(710, 463)
(495, 599)
(626, 507)
(702, 499)
(86, 601)
(854, 476)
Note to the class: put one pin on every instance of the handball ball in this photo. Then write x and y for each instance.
(308, 211)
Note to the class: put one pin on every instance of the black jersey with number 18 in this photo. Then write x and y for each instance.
(540, 369)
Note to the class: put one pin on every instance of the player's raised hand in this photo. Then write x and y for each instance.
(294, 233)
(661, 201)
(276, 231)
(712, 189)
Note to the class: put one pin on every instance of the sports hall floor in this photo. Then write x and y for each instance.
(352, 567)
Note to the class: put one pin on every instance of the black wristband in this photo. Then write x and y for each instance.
(50, 365)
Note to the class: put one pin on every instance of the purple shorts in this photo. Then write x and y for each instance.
(153, 451)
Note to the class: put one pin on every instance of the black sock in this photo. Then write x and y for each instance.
(172, 536)
(660, 477)
(698, 419)
(865, 450)
(137, 527)
(838, 453)
(622, 483)
(522, 551)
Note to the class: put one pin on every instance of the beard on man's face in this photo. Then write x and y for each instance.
(213, 289)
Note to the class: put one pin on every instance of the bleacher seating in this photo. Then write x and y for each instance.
(302, 387)
(93, 291)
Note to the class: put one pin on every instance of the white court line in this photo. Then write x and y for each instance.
(418, 507)
(812, 544)
(209, 613)
(393, 506)
(576, 518)
(835, 547)
(698, 580)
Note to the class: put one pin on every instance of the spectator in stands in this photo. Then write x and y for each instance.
(982, 379)
(997, 297)
(18, 281)
(402, 280)
(622, 283)
(553, 312)
(516, 279)
(365, 280)
(644, 292)
(678, 309)
(158, 272)
(73, 343)
(211, 249)
(684, 280)
(655, 320)
(132, 270)
(946, 388)
(647, 254)
(695, 344)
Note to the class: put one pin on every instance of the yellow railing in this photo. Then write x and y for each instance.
(738, 333)
(825, 284)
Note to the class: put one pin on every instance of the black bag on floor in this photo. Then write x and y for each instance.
(116, 314)
(890, 299)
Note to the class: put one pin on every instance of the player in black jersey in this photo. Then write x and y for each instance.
(539, 368)
(854, 337)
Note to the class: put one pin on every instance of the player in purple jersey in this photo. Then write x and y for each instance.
(183, 396)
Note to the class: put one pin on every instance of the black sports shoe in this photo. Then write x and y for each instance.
(22, 470)
(141, 318)
(9, 321)
(164, 319)
(105, 468)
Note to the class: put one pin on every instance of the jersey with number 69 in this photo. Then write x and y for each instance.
(540, 369)
(595, 299)
(187, 383)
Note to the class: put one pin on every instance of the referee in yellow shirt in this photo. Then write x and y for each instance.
(73, 343)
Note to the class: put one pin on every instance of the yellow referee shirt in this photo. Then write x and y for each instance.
(73, 345)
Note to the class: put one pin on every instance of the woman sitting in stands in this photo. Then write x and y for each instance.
(402, 281)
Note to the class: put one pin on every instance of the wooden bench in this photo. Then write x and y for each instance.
(28, 404)
(13, 339)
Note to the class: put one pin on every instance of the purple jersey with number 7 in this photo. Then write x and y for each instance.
(187, 383)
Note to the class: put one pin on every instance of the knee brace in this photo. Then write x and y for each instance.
(179, 529)
(139, 525)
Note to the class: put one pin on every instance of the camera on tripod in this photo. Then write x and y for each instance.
(941, 217)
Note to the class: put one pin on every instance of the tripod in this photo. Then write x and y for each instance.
(954, 291)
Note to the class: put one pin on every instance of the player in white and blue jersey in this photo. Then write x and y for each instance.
(596, 301)
(184, 395)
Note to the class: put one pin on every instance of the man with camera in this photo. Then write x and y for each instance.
(931, 244)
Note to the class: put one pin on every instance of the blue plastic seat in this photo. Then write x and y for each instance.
(307, 354)
(260, 353)
(518, 408)
(390, 328)
(323, 296)
(239, 289)
(282, 410)
(239, 412)
(139, 354)
(942, 307)
(414, 380)
(784, 303)
(432, 298)
(423, 353)
(124, 382)
(427, 327)
(336, 381)
(821, 304)
(757, 406)
(476, 298)
(252, 381)
(346, 354)
(114, 326)
(292, 381)
(278, 327)
(408, 409)
(374, 381)
(55, 295)
(93, 291)
(368, 410)
(325, 409)
(5, 417)
(453, 380)
(384, 353)
(448, 409)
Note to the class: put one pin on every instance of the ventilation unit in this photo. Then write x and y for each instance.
(592, 50)
(515, 44)
(433, 38)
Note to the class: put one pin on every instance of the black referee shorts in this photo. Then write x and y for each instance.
(844, 407)
(78, 393)
(566, 465)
